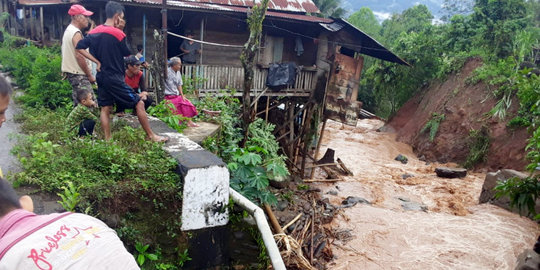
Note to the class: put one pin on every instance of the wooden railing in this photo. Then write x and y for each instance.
(215, 79)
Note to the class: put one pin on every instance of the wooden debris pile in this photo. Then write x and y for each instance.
(304, 241)
(334, 170)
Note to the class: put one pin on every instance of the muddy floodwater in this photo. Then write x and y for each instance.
(446, 228)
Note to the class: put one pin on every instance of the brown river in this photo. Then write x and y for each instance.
(455, 232)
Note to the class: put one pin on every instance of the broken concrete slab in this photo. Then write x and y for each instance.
(446, 172)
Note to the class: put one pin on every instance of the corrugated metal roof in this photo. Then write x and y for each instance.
(241, 6)
(302, 6)
(362, 42)
(237, 9)
(44, 2)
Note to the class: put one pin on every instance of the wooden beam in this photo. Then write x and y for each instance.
(25, 23)
(32, 24)
(322, 180)
(318, 145)
(266, 112)
(269, 109)
(321, 165)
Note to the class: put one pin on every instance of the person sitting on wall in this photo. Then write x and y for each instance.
(174, 93)
(83, 117)
(190, 50)
(55, 241)
(135, 79)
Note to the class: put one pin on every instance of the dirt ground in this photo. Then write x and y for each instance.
(466, 107)
(454, 231)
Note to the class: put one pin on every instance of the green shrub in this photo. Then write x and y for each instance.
(523, 193)
(164, 111)
(253, 165)
(128, 177)
(37, 71)
(433, 125)
(478, 142)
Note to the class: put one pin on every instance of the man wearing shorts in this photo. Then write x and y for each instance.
(74, 65)
(108, 47)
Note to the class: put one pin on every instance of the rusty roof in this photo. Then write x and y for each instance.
(302, 6)
(204, 4)
(361, 42)
(45, 2)
(299, 6)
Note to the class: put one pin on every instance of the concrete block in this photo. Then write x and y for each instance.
(205, 179)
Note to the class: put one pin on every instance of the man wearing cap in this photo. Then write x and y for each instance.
(108, 47)
(74, 65)
(135, 79)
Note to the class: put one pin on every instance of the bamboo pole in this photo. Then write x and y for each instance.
(273, 219)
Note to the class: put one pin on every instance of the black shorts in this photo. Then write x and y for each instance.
(114, 90)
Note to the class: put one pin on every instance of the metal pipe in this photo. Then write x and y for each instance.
(202, 38)
(144, 44)
(164, 33)
(264, 228)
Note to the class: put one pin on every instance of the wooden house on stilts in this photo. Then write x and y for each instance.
(328, 54)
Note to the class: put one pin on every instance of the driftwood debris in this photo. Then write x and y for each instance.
(342, 165)
(322, 180)
(291, 250)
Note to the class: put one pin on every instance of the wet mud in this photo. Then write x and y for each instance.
(449, 230)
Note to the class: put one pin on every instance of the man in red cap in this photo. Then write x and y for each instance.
(74, 65)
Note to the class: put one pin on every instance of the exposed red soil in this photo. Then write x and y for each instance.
(466, 108)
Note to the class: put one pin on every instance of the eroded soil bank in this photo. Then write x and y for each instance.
(455, 232)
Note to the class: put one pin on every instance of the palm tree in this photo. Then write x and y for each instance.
(330, 8)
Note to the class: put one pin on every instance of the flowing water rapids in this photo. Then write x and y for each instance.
(455, 232)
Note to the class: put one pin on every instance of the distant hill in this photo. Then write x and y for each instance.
(384, 8)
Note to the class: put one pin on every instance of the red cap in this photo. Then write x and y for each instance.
(78, 9)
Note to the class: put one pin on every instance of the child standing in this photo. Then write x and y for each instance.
(84, 117)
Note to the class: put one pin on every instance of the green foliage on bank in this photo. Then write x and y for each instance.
(37, 71)
(505, 35)
(128, 182)
(255, 164)
(433, 125)
(495, 31)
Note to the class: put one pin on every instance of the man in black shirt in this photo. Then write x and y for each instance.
(108, 47)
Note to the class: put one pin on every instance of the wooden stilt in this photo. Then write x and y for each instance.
(266, 111)
(306, 127)
(25, 23)
(291, 128)
(32, 24)
(297, 149)
(318, 146)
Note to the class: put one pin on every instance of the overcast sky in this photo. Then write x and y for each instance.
(384, 8)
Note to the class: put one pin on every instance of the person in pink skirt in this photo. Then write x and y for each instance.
(174, 94)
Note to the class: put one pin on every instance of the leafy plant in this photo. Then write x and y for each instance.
(70, 197)
(165, 112)
(183, 257)
(479, 146)
(143, 254)
(433, 125)
(523, 193)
